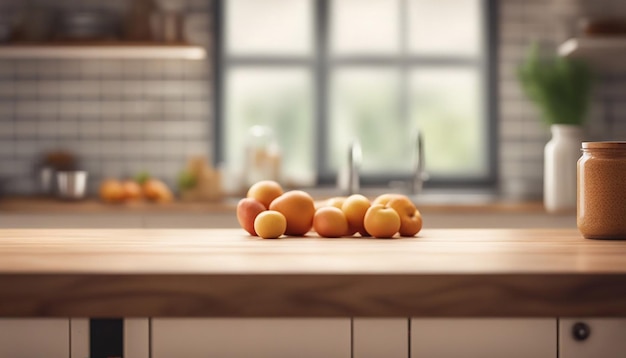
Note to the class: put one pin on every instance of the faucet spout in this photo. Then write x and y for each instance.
(355, 156)
(419, 176)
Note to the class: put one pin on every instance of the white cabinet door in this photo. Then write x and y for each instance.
(79, 337)
(29, 338)
(136, 338)
(483, 338)
(380, 337)
(592, 337)
(243, 337)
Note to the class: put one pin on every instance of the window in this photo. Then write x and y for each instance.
(321, 73)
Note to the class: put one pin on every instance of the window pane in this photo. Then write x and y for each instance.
(365, 105)
(256, 27)
(446, 104)
(280, 99)
(365, 27)
(445, 27)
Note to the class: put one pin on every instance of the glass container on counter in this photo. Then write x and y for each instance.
(263, 155)
(601, 204)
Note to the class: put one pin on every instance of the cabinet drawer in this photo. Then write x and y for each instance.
(596, 337)
(259, 338)
(483, 338)
(28, 338)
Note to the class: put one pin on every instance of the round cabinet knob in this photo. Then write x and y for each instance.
(581, 331)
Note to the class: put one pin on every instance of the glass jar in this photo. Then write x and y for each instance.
(263, 155)
(601, 204)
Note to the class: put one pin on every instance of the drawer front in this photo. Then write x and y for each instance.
(592, 337)
(483, 338)
(259, 338)
(28, 338)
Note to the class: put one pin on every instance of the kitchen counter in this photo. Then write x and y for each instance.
(224, 273)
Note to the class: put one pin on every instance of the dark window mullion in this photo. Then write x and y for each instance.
(322, 23)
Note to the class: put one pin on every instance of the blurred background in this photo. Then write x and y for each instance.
(280, 89)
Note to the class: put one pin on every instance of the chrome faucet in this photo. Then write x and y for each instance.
(418, 176)
(355, 157)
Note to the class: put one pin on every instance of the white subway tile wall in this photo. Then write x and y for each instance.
(120, 117)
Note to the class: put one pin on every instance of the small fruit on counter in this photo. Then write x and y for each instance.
(410, 217)
(355, 207)
(298, 207)
(386, 216)
(337, 201)
(132, 190)
(247, 210)
(381, 221)
(265, 191)
(330, 221)
(156, 190)
(270, 224)
(112, 191)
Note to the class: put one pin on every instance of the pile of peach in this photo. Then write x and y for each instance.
(269, 212)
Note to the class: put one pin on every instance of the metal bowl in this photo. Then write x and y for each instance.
(72, 185)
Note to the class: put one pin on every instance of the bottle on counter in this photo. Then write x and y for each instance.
(263, 155)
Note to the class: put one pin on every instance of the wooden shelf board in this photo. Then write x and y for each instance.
(603, 53)
(102, 50)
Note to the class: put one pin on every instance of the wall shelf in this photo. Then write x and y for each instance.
(108, 50)
(603, 53)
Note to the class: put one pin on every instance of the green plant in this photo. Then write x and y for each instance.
(186, 180)
(559, 86)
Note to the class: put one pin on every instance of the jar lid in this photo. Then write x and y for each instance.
(604, 145)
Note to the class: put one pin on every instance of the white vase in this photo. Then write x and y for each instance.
(560, 157)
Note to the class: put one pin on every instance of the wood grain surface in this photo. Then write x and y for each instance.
(224, 273)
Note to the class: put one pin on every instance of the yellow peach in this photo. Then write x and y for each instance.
(270, 224)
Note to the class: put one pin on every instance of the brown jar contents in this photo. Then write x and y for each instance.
(601, 205)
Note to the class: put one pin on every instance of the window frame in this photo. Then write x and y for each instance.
(320, 64)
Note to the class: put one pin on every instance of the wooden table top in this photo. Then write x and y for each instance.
(225, 273)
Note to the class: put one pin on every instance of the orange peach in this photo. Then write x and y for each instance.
(157, 191)
(385, 198)
(270, 224)
(330, 221)
(112, 191)
(336, 201)
(247, 211)
(132, 190)
(381, 221)
(410, 217)
(298, 207)
(354, 207)
(265, 191)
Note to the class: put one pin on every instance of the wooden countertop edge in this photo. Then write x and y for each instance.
(315, 295)
(93, 206)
